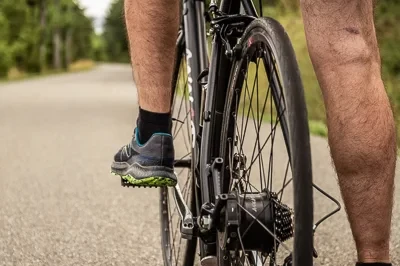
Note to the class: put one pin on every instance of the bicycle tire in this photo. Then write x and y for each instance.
(268, 33)
(167, 221)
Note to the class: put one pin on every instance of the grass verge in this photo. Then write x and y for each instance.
(318, 128)
(81, 65)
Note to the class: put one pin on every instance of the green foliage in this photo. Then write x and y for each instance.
(6, 60)
(99, 48)
(387, 15)
(4, 25)
(28, 27)
(116, 43)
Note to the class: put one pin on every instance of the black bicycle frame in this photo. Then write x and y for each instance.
(204, 121)
(197, 61)
(196, 53)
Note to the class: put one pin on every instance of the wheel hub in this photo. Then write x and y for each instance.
(255, 221)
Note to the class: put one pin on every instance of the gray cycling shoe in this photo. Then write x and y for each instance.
(147, 165)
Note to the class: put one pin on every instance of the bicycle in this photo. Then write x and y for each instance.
(228, 213)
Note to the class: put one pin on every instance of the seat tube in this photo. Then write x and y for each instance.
(196, 54)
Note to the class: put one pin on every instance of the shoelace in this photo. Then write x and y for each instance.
(127, 149)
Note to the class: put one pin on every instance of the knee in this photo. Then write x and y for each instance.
(343, 49)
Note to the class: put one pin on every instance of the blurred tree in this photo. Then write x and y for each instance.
(57, 63)
(37, 33)
(115, 36)
(5, 50)
(43, 35)
(99, 48)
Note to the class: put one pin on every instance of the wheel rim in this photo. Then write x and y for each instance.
(252, 161)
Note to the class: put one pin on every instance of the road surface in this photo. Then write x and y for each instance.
(60, 206)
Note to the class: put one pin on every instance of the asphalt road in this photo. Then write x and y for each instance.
(60, 206)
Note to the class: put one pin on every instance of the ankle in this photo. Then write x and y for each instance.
(149, 123)
(377, 257)
(373, 264)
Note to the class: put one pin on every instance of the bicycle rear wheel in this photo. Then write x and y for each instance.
(266, 150)
(177, 251)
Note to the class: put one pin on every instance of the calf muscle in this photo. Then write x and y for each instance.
(344, 51)
(152, 27)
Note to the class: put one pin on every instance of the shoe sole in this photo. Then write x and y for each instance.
(139, 176)
(153, 181)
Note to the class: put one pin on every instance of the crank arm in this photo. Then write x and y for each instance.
(187, 225)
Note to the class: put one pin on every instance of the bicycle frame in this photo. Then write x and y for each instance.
(193, 38)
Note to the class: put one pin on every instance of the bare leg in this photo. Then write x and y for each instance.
(152, 30)
(343, 48)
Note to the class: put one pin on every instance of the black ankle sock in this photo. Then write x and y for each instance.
(373, 264)
(149, 123)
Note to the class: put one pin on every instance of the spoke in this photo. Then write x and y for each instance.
(252, 114)
(182, 89)
(176, 89)
(270, 163)
(264, 261)
(184, 156)
(269, 136)
(181, 124)
(230, 165)
(240, 178)
(184, 189)
(261, 162)
(248, 112)
(179, 111)
(236, 125)
(254, 159)
(240, 153)
(272, 259)
(255, 219)
(284, 184)
(258, 131)
(175, 235)
(189, 187)
(173, 251)
(187, 108)
(179, 250)
(172, 214)
(188, 129)
(244, 104)
(183, 192)
(241, 244)
(257, 127)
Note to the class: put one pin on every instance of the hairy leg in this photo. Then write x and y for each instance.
(152, 27)
(343, 47)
